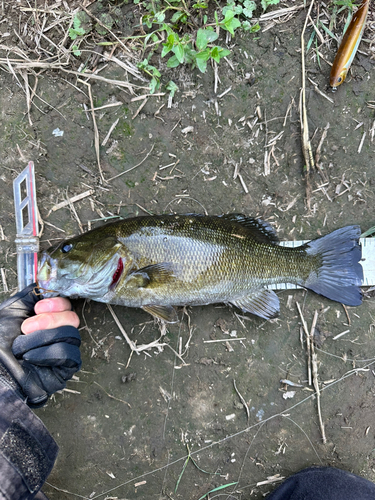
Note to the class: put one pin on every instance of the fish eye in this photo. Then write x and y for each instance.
(66, 248)
(339, 79)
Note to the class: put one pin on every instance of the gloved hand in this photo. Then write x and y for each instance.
(45, 358)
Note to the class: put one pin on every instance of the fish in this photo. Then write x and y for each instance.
(349, 45)
(159, 262)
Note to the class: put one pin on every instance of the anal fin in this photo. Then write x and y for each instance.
(263, 303)
(166, 313)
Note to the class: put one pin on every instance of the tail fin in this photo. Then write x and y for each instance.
(340, 275)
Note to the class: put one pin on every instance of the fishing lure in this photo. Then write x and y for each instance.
(349, 46)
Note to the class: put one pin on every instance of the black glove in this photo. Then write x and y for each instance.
(46, 358)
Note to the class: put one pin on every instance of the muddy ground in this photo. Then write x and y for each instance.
(127, 422)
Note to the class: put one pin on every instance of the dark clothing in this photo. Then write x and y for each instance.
(27, 450)
(324, 483)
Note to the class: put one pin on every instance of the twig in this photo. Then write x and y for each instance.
(96, 131)
(110, 395)
(222, 340)
(131, 344)
(106, 138)
(306, 145)
(71, 200)
(135, 166)
(4, 280)
(304, 325)
(314, 362)
(139, 109)
(242, 401)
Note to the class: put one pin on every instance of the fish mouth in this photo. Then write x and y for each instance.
(47, 274)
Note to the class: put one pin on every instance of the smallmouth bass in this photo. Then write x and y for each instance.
(158, 262)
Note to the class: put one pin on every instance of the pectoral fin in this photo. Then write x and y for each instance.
(149, 276)
(264, 303)
(166, 313)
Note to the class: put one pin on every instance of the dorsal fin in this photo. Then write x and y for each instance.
(260, 230)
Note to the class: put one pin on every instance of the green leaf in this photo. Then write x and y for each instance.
(237, 9)
(154, 85)
(75, 32)
(229, 15)
(249, 7)
(190, 55)
(172, 87)
(201, 60)
(202, 39)
(211, 34)
(369, 232)
(179, 52)
(173, 62)
(218, 52)
(255, 28)
(230, 22)
(267, 3)
(166, 48)
(159, 17)
(217, 489)
(178, 16)
(76, 51)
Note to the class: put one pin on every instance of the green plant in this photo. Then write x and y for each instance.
(183, 31)
(81, 25)
(153, 72)
(267, 3)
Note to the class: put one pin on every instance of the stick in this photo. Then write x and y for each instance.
(112, 397)
(135, 166)
(71, 200)
(96, 131)
(242, 401)
(314, 362)
(306, 145)
(307, 342)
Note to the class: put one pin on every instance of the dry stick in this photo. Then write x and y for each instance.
(242, 401)
(318, 150)
(135, 166)
(96, 132)
(110, 395)
(73, 199)
(93, 76)
(106, 138)
(131, 344)
(314, 362)
(28, 98)
(139, 109)
(304, 325)
(4, 280)
(306, 145)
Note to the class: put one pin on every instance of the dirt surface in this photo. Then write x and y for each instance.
(128, 421)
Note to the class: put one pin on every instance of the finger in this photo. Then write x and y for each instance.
(55, 304)
(55, 355)
(65, 335)
(46, 321)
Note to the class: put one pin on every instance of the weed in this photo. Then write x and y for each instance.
(183, 33)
